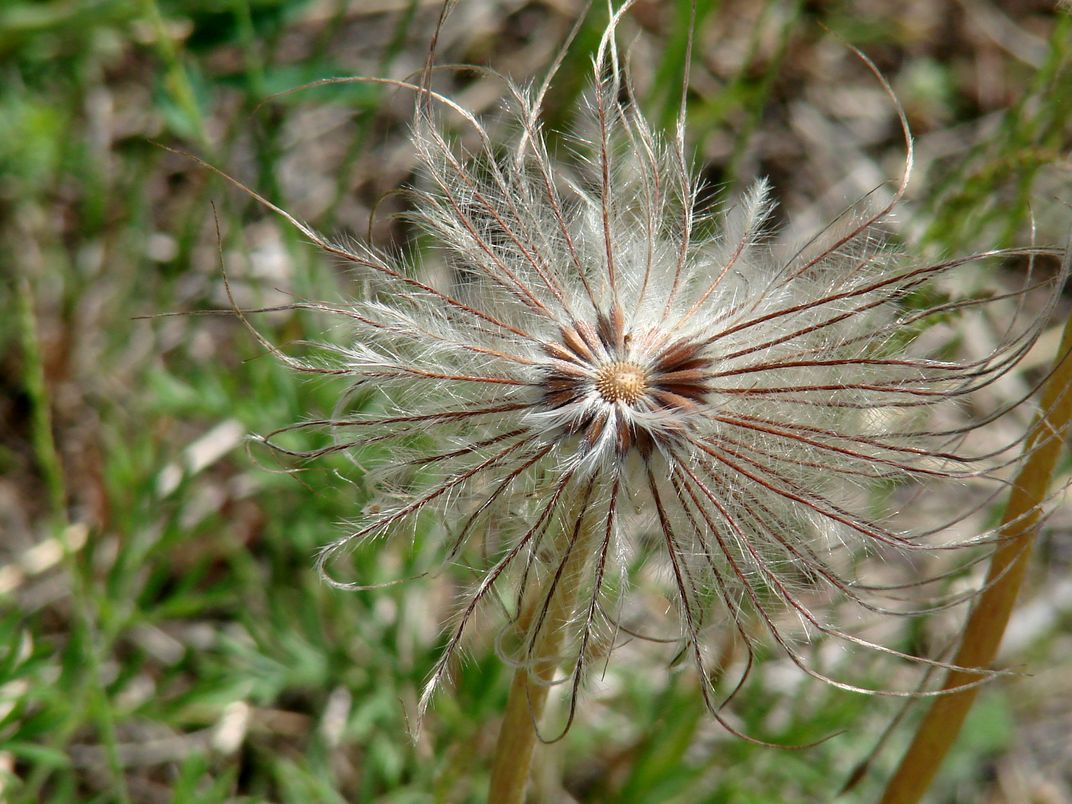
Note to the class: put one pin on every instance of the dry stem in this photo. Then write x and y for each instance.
(990, 615)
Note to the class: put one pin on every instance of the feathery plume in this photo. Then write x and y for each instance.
(613, 372)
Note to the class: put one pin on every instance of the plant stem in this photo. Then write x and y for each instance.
(47, 456)
(990, 615)
(528, 692)
(90, 696)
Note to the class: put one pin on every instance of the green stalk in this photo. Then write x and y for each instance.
(528, 692)
(33, 381)
(90, 692)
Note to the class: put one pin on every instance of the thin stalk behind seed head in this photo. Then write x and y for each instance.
(1008, 568)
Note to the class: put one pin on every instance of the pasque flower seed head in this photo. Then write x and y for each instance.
(597, 375)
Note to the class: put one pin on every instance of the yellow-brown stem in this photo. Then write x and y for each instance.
(528, 692)
(990, 615)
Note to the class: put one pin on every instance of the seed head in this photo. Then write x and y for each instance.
(596, 375)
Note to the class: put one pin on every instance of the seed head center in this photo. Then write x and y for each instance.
(621, 382)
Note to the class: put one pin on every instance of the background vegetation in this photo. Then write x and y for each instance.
(163, 636)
